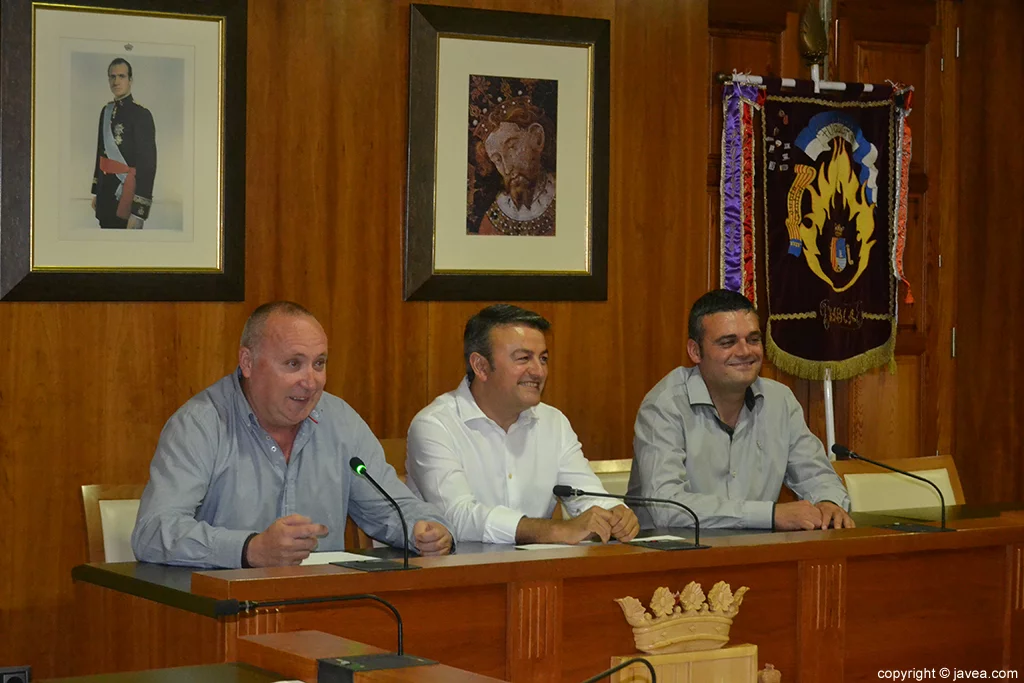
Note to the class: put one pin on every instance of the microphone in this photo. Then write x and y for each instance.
(623, 665)
(563, 491)
(359, 467)
(844, 453)
(340, 668)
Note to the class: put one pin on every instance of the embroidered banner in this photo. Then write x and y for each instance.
(737, 188)
(834, 169)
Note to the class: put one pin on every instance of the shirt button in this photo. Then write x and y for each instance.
(273, 449)
(733, 473)
(510, 475)
(758, 445)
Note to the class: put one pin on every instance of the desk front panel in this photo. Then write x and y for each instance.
(823, 606)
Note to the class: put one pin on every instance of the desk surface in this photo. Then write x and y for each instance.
(204, 592)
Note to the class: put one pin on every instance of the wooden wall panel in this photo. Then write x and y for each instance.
(991, 283)
(882, 429)
(899, 416)
(85, 388)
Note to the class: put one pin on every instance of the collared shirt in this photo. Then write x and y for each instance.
(218, 476)
(485, 479)
(683, 451)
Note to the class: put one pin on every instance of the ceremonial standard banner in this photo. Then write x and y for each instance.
(834, 169)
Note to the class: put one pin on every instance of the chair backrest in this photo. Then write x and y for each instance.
(110, 512)
(871, 488)
(614, 474)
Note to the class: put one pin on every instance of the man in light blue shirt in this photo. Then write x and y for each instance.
(265, 448)
(722, 440)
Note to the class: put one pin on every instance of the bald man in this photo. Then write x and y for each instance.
(254, 471)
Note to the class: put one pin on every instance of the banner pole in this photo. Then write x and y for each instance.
(830, 415)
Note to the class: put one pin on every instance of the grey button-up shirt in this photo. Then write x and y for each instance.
(682, 451)
(217, 477)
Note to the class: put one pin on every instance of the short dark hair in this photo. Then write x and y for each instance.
(252, 332)
(120, 60)
(715, 301)
(477, 336)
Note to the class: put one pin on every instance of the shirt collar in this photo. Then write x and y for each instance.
(467, 408)
(698, 392)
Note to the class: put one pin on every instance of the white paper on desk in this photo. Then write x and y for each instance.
(335, 556)
(663, 538)
(549, 546)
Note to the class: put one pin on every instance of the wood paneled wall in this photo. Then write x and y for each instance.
(990, 356)
(85, 388)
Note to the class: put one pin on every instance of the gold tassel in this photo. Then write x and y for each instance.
(845, 369)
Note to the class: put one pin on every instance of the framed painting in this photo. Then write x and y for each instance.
(122, 150)
(508, 156)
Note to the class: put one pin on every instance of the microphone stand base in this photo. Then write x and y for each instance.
(344, 669)
(376, 566)
(668, 545)
(913, 528)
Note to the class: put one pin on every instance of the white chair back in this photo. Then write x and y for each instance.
(871, 492)
(117, 519)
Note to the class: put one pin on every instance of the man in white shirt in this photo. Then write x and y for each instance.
(490, 452)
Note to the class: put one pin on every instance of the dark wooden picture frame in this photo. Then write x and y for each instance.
(20, 278)
(520, 31)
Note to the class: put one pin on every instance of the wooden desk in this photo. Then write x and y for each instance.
(824, 606)
(295, 655)
(207, 673)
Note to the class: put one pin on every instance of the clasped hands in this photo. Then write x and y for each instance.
(619, 523)
(802, 515)
(290, 540)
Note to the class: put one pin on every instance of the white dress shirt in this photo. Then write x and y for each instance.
(485, 479)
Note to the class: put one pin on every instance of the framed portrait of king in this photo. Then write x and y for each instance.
(508, 156)
(122, 175)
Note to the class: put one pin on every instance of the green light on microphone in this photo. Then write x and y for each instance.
(360, 469)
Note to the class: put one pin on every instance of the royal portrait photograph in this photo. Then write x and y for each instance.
(126, 163)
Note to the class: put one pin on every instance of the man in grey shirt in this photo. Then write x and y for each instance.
(266, 448)
(722, 440)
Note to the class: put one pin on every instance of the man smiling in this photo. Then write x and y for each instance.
(722, 440)
(266, 448)
(490, 452)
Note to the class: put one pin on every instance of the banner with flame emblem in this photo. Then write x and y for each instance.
(834, 170)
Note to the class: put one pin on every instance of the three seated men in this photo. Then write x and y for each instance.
(256, 469)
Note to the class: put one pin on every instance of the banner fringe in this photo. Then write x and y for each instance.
(879, 356)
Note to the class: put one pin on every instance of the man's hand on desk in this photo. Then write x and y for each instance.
(620, 523)
(625, 525)
(288, 540)
(594, 521)
(835, 516)
(432, 538)
(797, 516)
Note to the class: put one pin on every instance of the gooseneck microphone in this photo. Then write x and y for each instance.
(844, 453)
(623, 665)
(563, 491)
(359, 467)
(354, 663)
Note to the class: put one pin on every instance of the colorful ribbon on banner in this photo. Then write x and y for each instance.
(739, 102)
